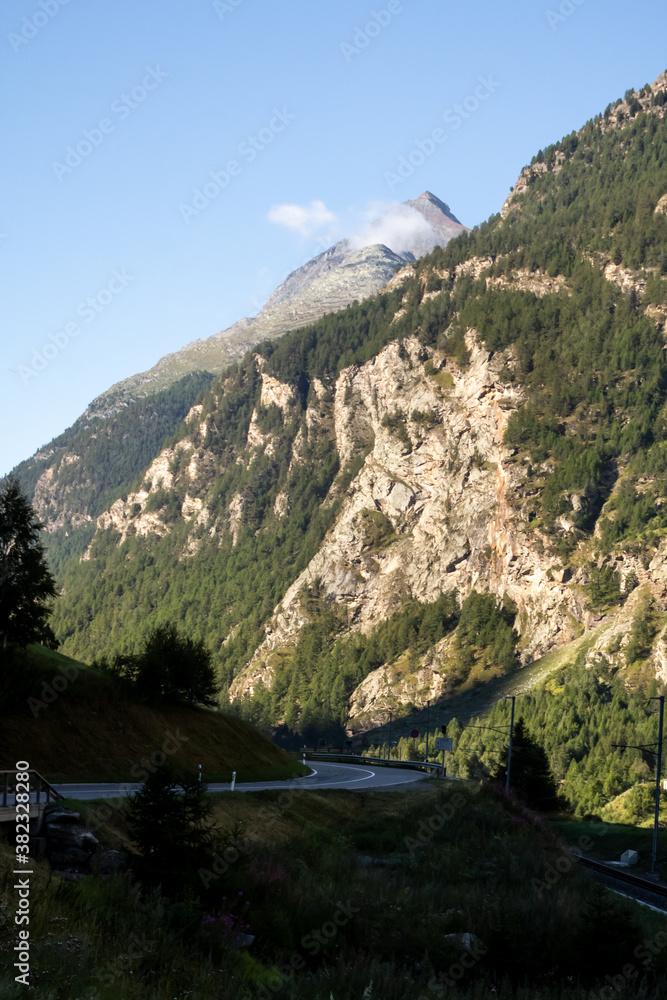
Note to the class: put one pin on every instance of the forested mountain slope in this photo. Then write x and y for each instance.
(437, 485)
(81, 472)
(73, 479)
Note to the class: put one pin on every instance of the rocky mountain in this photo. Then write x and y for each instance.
(74, 478)
(350, 270)
(430, 489)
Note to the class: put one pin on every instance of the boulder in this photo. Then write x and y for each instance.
(70, 858)
(62, 836)
(69, 844)
(465, 940)
(108, 862)
(58, 814)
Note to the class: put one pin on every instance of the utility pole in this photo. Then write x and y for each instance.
(428, 726)
(658, 775)
(389, 756)
(512, 698)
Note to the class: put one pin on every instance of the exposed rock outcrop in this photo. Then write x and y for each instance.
(437, 480)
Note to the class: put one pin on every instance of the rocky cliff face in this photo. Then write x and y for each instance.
(438, 504)
(433, 508)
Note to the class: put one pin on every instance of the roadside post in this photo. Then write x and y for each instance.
(443, 743)
(233, 779)
(428, 726)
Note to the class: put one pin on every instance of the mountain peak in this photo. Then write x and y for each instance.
(431, 207)
(429, 196)
(353, 268)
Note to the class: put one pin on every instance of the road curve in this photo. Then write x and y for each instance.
(354, 777)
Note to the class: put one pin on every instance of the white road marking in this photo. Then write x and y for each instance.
(118, 789)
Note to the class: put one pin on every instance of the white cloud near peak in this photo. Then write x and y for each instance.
(398, 227)
(304, 219)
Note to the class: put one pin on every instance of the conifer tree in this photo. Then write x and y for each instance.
(27, 586)
(530, 774)
(169, 821)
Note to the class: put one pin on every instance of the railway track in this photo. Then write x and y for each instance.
(644, 889)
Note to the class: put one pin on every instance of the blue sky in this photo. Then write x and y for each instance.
(106, 267)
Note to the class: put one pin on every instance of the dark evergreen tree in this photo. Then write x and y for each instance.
(170, 665)
(27, 587)
(169, 821)
(530, 774)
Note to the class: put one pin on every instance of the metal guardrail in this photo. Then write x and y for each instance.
(41, 785)
(417, 765)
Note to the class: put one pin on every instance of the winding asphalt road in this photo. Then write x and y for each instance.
(354, 777)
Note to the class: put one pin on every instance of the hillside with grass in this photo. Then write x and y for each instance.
(447, 890)
(72, 723)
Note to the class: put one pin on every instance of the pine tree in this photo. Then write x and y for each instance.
(169, 821)
(530, 775)
(27, 586)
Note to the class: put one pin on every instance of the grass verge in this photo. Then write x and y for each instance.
(74, 723)
(351, 896)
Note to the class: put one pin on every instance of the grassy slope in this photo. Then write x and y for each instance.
(95, 730)
(410, 882)
(623, 810)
